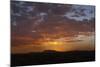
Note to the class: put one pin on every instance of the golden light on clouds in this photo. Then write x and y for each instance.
(81, 42)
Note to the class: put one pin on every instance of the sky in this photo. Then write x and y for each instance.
(37, 27)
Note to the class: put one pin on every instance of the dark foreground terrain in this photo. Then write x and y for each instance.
(51, 57)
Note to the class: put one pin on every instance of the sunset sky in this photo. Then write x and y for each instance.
(36, 27)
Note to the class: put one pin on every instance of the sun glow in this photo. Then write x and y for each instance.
(54, 43)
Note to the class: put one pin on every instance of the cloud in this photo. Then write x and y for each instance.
(71, 41)
(80, 13)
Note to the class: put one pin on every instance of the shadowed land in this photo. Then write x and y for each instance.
(51, 57)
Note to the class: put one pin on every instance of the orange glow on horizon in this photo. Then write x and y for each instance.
(54, 43)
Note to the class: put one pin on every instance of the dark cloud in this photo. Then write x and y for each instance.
(74, 41)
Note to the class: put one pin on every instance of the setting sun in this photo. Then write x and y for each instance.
(54, 43)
